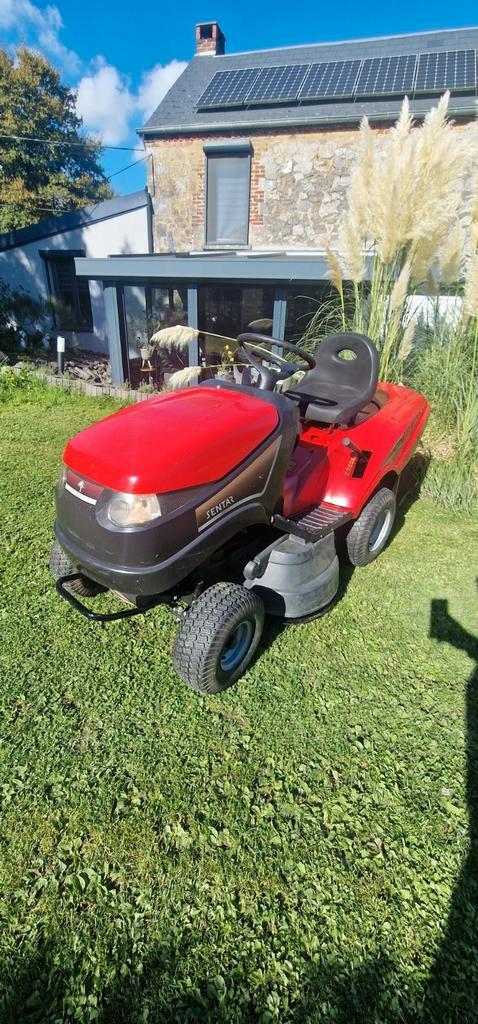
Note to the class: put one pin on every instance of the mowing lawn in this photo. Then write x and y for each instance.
(294, 850)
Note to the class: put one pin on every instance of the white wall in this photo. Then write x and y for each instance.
(426, 309)
(118, 235)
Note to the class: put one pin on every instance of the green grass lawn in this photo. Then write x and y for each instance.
(295, 850)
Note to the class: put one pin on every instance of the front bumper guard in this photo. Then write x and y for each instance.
(125, 613)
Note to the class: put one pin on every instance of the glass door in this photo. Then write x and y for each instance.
(147, 309)
(228, 310)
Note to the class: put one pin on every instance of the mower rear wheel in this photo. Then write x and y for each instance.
(218, 637)
(371, 530)
(60, 565)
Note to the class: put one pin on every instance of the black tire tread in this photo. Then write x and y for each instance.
(202, 632)
(60, 565)
(359, 536)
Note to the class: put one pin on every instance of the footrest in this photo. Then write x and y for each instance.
(314, 523)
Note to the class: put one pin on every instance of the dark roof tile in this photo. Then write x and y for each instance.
(177, 113)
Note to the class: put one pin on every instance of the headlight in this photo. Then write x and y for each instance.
(62, 477)
(132, 509)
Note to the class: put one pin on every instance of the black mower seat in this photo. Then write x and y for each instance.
(337, 388)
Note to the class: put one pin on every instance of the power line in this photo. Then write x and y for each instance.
(52, 209)
(52, 142)
(43, 209)
(134, 164)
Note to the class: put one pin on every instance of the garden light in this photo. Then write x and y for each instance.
(60, 351)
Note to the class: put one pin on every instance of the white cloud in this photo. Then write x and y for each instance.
(106, 104)
(42, 26)
(13, 14)
(155, 84)
(106, 101)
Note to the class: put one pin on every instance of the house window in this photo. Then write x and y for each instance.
(70, 295)
(227, 310)
(228, 177)
(308, 311)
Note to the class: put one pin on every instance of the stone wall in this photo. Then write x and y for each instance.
(298, 182)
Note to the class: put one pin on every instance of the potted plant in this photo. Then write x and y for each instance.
(145, 350)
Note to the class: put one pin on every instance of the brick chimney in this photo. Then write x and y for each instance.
(210, 38)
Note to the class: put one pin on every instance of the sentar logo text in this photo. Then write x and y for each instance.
(216, 509)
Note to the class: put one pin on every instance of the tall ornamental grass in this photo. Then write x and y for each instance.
(410, 229)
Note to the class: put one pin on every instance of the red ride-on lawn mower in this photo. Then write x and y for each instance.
(223, 500)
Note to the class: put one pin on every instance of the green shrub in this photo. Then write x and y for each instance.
(22, 319)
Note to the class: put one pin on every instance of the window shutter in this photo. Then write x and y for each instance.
(228, 182)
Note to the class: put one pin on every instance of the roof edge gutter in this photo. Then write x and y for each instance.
(346, 119)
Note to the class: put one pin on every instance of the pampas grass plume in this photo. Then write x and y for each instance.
(400, 288)
(181, 378)
(174, 337)
(407, 341)
(334, 273)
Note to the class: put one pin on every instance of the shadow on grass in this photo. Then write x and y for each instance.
(374, 992)
(452, 993)
(409, 489)
(331, 993)
(275, 625)
(344, 995)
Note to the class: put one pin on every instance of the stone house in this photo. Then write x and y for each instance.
(250, 156)
(253, 150)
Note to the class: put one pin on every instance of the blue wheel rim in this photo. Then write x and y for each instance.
(236, 646)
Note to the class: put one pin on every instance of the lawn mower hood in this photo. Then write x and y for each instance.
(150, 492)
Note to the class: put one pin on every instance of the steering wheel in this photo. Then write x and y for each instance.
(252, 345)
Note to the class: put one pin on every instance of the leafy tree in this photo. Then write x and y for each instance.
(36, 179)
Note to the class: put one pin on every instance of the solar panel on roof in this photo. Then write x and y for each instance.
(374, 76)
(228, 88)
(450, 69)
(331, 78)
(387, 75)
(277, 84)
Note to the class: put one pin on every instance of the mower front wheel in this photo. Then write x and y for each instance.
(218, 637)
(60, 565)
(371, 530)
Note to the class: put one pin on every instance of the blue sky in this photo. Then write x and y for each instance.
(123, 56)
